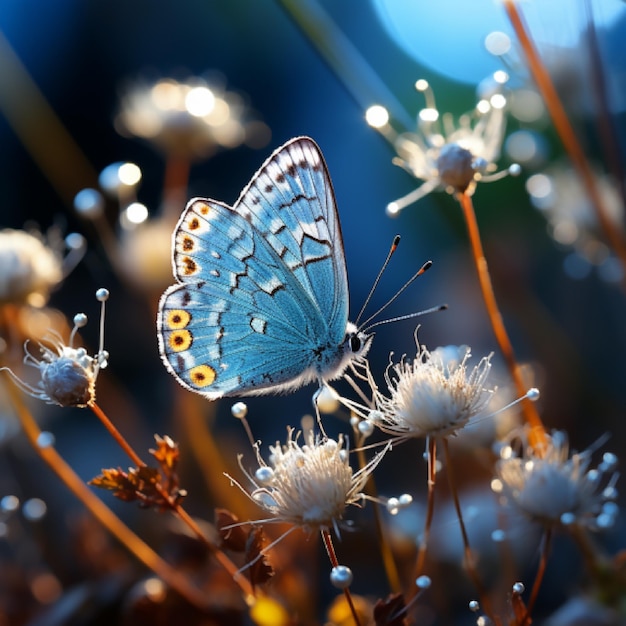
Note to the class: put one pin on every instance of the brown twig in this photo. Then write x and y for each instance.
(176, 507)
(563, 127)
(537, 436)
(101, 512)
(430, 507)
(469, 557)
(541, 570)
(330, 550)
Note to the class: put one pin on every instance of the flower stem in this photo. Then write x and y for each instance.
(541, 570)
(389, 563)
(196, 424)
(119, 438)
(102, 513)
(537, 435)
(565, 131)
(175, 185)
(469, 556)
(221, 557)
(430, 506)
(330, 550)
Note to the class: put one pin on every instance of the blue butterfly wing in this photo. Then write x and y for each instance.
(292, 203)
(262, 285)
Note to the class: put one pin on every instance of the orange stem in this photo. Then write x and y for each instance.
(537, 435)
(102, 513)
(430, 506)
(470, 565)
(119, 438)
(541, 570)
(175, 185)
(565, 130)
(391, 570)
(330, 550)
(221, 557)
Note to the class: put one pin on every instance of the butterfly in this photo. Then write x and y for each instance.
(261, 300)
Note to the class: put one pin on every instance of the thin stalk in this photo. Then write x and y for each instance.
(344, 59)
(563, 127)
(102, 513)
(220, 556)
(469, 557)
(175, 186)
(537, 435)
(119, 438)
(430, 507)
(541, 570)
(389, 563)
(330, 550)
(208, 454)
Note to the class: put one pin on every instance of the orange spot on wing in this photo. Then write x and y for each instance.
(189, 266)
(180, 340)
(202, 375)
(177, 318)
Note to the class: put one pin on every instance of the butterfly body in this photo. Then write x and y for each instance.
(261, 304)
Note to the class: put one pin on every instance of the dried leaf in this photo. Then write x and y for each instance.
(152, 487)
(109, 479)
(260, 571)
(390, 611)
(166, 453)
(232, 538)
(117, 481)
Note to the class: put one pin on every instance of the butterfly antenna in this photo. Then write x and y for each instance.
(408, 316)
(394, 245)
(419, 272)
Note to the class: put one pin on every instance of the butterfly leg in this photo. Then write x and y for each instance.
(318, 415)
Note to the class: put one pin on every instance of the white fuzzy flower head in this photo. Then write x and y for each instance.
(451, 154)
(67, 375)
(30, 268)
(434, 395)
(192, 118)
(308, 485)
(556, 487)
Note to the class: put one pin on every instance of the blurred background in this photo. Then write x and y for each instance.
(75, 81)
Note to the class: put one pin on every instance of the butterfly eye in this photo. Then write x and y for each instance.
(355, 343)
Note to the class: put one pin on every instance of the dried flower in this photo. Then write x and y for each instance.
(434, 395)
(572, 222)
(552, 486)
(30, 268)
(67, 374)
(310, 485)
(447, 154)
(191, 119)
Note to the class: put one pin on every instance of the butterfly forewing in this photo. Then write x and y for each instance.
(291, 201)
(262, 299)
